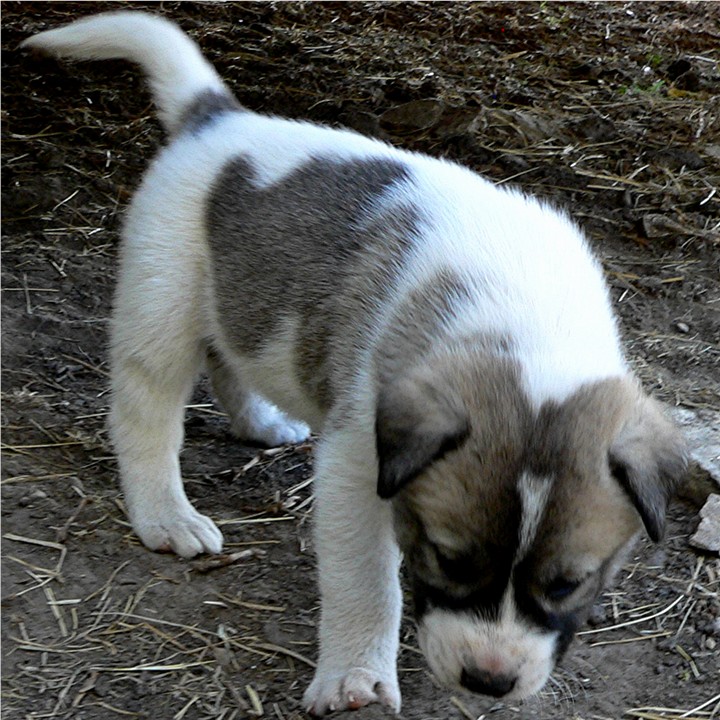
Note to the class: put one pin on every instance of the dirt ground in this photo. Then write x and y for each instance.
(611, 110)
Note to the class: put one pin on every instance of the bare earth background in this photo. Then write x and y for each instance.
(610, 109)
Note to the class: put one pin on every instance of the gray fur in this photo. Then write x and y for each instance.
(471, 497)
(312, 221)
(416, 425)
(420, 323)
(206, 108)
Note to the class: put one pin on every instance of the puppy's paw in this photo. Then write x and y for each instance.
(285, 431)
(185, 532)
(269, 426)
(351, 690)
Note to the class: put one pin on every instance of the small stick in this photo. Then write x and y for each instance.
(285, 651)
(61, 534)
(636, 621)
(87, 365)
(28, 306)
(463, 710)
(33, 541)
(715, 699)
(219, 561)
(257, 708)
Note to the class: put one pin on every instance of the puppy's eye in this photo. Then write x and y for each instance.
(442, 557)
(458, 569)
(561, 588)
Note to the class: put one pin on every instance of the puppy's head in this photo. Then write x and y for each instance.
(513, 520)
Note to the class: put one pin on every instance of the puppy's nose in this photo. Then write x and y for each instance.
(486, 683)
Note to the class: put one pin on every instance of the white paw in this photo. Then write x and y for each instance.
(270, 426)
(351, 690)
(185, 532)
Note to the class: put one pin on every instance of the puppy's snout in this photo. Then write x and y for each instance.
(487, 683)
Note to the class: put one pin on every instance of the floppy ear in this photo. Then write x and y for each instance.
(648, 459)
(417, 422)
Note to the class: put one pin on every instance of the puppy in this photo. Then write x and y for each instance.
(453, 342)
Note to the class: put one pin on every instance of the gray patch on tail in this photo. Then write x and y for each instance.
(206, 108)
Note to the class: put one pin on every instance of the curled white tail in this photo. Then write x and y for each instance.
(173, 63)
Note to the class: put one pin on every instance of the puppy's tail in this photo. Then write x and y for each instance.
(173, 63)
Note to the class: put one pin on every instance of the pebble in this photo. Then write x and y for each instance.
(682, 327)
(707, 536)
(30, 498)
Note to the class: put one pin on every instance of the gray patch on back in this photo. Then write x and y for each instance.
(317, 247)
(422, 319)
(206, 108)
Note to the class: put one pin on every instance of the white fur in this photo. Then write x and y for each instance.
(528, 266)
(358, 563)
(273, 373)
(452, 641)
(175, 67)
(534, 495)
(529, 271)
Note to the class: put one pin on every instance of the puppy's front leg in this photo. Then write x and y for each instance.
(358, 562)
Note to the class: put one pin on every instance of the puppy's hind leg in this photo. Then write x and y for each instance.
(156, 353)
(252, 417)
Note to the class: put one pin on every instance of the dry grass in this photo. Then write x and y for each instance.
(97, 628)
(106, 639)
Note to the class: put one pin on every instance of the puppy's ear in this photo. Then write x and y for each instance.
(648, 459)
(418, 420)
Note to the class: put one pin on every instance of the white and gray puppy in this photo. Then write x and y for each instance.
(453, 342)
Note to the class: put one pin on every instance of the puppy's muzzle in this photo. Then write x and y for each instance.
(487, 683)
